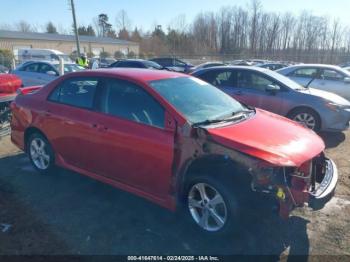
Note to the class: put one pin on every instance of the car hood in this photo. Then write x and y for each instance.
(327, 96)
(270, 137)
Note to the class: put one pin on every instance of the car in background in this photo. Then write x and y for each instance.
(174, 140)
(9, 84)
(205, 65)
(136, 63)
(347, 68)
(346, 64)
(324, 77)
(272, 66)
(268, 90)
(173, 64)
(106, 62)
(36, 54)
(4, 69)
(35, 73)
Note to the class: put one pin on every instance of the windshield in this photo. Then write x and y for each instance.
(68, 68)
(195, 99)
(284, 80)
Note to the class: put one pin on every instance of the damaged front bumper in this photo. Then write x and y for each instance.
(325, 189)
(315, 188)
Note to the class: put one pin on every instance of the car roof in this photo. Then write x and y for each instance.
(251, 68)
(315, 65)
(136, 74)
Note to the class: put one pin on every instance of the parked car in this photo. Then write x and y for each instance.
(272, 66)
(205, 65)
(40, 73)
(173, 64)
(136, 63)
(266, 89)
(347, 68)
(9, 84)
(346, 64)
(36, 54)
(4, 69)
(325, 77)
(106, 62)
(174, 140)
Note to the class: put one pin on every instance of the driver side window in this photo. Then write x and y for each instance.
(127, 100)
(251, 80)
(328, 74)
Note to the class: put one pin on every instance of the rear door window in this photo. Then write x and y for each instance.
(78, 92)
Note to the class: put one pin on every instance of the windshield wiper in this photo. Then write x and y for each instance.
(232, 117)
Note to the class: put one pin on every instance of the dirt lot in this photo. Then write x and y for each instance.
(67, 213)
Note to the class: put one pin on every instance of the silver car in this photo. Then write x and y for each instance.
(316, 109)
(325, 77)
(40, 73)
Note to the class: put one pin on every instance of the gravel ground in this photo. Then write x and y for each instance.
(67, 213)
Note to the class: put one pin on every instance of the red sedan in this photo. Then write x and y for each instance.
(174, 140)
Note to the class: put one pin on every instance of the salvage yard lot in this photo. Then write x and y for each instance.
(67, 213)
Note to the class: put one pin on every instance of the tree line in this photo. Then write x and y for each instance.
(233, 32)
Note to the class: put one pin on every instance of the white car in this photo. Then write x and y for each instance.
(325, 77)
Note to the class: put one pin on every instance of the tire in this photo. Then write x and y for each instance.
(225, 206)
(306, 117)
(41, 154)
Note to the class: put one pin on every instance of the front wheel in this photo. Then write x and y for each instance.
(40, 153)
(212, 206)
(306, 117)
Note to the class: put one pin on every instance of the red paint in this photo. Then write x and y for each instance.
(139, 158)
(9, 83)
(27, 90)
(272, 138)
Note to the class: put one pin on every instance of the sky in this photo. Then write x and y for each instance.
(145, 14)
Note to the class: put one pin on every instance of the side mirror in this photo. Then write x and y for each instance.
(272, 88)
(347, 80)
(51, 73)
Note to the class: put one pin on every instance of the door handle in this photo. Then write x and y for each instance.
(47, 113)
(99, 127)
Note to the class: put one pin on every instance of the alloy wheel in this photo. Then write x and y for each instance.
(39, 154)
(207, 207)
(306, 119)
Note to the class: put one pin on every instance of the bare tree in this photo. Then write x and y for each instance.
(122, 20)
(23, 26)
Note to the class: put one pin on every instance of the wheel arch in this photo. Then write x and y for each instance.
(28, 132)
(294, 109)
(212, 165)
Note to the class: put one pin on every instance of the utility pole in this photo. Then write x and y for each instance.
(75, 27)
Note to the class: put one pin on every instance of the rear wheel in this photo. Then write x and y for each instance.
(306, 117)
(40, 153)
(211, 205)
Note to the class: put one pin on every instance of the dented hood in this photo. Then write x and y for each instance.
(270, 137)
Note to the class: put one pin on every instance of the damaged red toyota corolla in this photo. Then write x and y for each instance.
(174, 140)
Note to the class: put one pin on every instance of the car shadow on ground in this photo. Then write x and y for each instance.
(89, 217)
(332, 139)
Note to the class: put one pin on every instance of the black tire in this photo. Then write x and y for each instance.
(293, 115)
(226, 190)
(49, 166)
